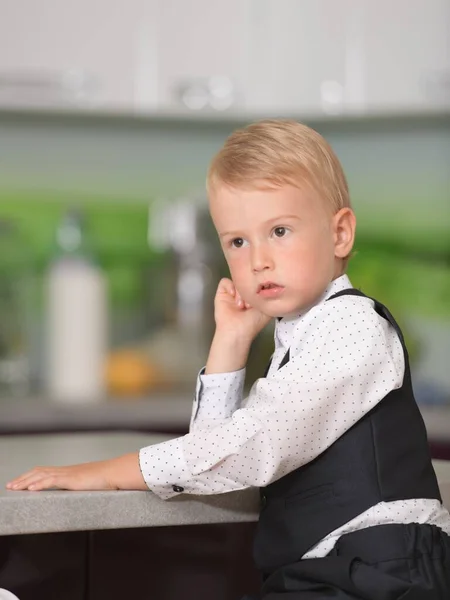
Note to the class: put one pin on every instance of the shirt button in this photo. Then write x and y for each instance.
(263, 501)
(178, 489)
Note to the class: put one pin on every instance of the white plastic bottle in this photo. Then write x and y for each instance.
(76, 319)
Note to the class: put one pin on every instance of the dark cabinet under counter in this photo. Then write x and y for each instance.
(196, 562)
(45, 566)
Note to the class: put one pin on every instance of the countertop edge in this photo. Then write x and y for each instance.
(81, 511)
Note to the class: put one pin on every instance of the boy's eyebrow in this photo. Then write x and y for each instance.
(274, 220)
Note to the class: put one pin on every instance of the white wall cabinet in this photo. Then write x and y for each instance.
(261, 57)
(405, 55)
(132, 55)
(350, 56)
(63, 53)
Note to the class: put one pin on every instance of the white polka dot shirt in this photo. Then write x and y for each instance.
(344, 359)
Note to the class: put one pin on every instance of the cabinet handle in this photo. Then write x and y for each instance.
(32, 86)
(332, 97)
(216, 92)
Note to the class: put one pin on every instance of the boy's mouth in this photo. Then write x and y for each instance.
(269, 289)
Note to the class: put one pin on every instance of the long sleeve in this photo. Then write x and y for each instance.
(217, 397)
(344, 359)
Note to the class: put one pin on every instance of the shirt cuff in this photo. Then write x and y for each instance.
(218, 395)
(164, 468)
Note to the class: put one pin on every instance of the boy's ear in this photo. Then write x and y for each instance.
(344, 226)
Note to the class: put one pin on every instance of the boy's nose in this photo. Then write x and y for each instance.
(260, 259)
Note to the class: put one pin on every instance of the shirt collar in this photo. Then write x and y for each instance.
(285, 326)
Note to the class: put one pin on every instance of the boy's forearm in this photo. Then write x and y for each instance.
(125, 472)
(228, 353)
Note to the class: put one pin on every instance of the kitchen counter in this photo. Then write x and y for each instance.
(58, 510)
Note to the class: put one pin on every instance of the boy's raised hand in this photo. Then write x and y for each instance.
(237, 325)
(233, 315)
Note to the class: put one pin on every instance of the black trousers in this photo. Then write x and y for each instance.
(386, 562)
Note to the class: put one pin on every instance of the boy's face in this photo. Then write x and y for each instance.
(282, 245)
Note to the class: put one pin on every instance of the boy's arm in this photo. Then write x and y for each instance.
(216, 398)
(237, 325)
(123, 473)
(220, 385)
(228, 352)
(220, 389)
(343, 368)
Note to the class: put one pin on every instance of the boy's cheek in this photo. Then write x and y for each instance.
(239, 284)
(235, 271)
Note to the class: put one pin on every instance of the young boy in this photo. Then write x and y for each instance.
(350, 507)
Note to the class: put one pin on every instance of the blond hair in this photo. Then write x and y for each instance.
(277, 152)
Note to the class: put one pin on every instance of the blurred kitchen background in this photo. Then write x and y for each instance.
(109, 116)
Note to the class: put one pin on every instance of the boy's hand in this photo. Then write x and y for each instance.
(234, 316)
(237, 325)
(118, 473)
(90, 476)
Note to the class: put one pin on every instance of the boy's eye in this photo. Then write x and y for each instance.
(237, 242)
(280, 231)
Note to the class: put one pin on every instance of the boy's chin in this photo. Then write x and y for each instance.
(281, 312)
(279, 308)
(275, 313)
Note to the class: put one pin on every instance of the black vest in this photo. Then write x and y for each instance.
(384, 457)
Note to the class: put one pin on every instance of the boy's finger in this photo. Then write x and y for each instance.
(239, 300)
(226, 285)
(24, 480)
(22, 483)
(37, 481)
(18, 480)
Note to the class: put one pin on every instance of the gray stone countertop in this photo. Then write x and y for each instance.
(58, 510)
